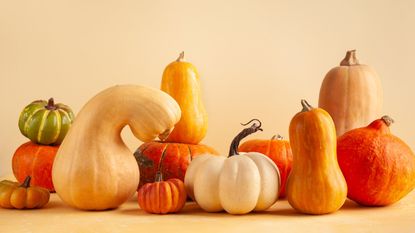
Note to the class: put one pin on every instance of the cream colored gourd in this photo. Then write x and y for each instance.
(238, 184)
(352, 94)
(94, 169)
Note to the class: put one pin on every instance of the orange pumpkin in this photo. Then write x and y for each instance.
(162, 197)
(379, 167)
(172, 159)
(278, 150)
(36, 161)
(181, 81)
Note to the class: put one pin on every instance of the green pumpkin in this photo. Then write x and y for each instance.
(45, 122)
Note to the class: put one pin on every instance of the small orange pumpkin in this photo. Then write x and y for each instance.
(162, 197)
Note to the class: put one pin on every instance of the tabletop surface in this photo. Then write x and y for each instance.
(57, 217)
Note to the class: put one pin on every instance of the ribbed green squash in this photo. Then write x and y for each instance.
(45, 122)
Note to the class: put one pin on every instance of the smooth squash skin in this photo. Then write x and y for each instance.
(181, 81)
(352, 94)
(94, 169)
(316, 184)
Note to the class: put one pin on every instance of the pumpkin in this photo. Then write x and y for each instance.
(162, 197)
(45, 122)
(352, 94)
(94, 169)
(277, 149)
(22, 196)
(238, 184)
(36, 161)
(378, 166)
(181, 81)
(316, 184)
(172, 159)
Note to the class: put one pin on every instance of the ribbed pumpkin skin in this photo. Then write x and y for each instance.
(16, 196)
(35, 160)
(276, 149)
(174, 158)
(45, 126)
(316, 184)
(379, 167)
(162, 197)
(181, 81)
(352, 95)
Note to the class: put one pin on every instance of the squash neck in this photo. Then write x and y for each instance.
(244, 133)
(350, 59)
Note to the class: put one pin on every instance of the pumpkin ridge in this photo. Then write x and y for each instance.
(26, 125)
(42, 125)
(58, 126)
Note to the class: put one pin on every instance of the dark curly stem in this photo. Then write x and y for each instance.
(51, 104)
(26, 182)
(245, 132)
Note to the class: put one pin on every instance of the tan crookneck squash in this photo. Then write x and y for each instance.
(316, 184)
(181, 81)
(94, 169)
(352, 94)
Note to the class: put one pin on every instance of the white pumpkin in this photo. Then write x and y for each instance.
(238, 184)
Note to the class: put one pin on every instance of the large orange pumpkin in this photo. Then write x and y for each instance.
(36, 161)
(379, 167)
(171, 158)
(278, 150)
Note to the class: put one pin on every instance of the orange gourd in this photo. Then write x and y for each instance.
(181, 81)
(316, 184)
(352, 94)
(277, 149)
(162, 197)
(171, 159)
(378, 166)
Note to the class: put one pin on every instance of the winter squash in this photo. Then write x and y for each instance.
(45, 122)
(94, 169)
(36, 161)
(181, 81)
(352, 94)
(172, 159)
(316, 184)
(379, 167)
(238, 184)
(22, 196)
(277, 149)
(162, 197)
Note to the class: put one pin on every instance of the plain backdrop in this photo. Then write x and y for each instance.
(256, 59)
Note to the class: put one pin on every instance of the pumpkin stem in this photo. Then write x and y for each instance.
(51, 104)
(277, 137)
(388, 120)
(245, 132)
(306, 106)
(350, 59)
(181, 57)
(159, 177)
(26, 182)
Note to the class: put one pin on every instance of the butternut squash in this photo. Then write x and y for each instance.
(94, 169)
(316, 184)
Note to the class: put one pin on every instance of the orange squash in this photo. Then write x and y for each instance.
(378, 166)
(352, 94)
(181, 81)
(316, 184)
(277, 149)
(162, 197)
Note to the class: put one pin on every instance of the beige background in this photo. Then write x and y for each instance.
(256, 58)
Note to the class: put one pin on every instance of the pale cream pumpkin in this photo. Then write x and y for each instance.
(238, 184)
(352, 94)
(94, 169)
